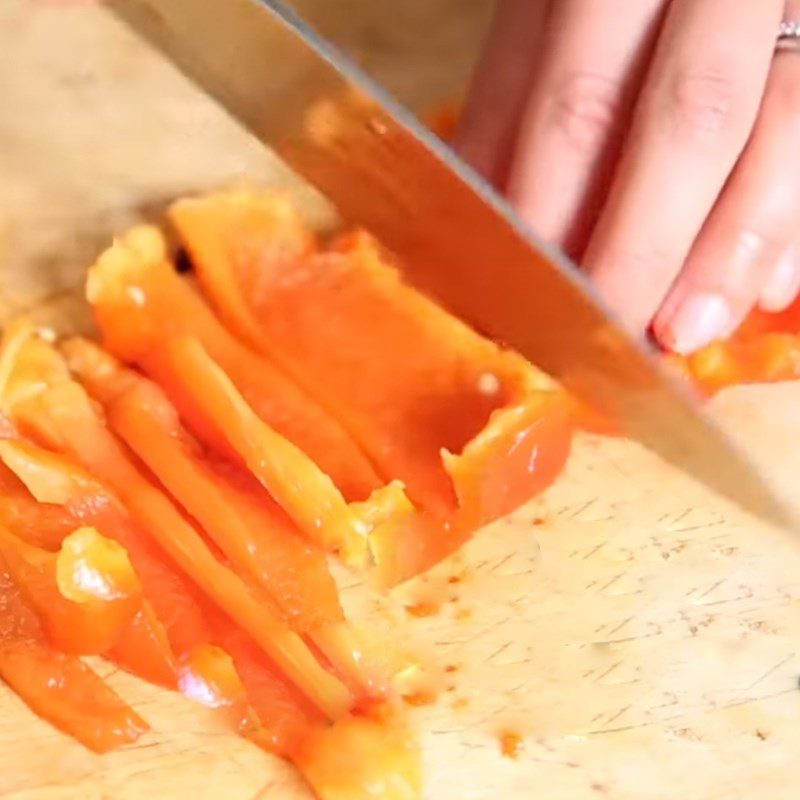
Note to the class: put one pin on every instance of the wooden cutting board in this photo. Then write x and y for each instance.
(640, 635)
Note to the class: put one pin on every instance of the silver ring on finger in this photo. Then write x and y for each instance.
(788, 35)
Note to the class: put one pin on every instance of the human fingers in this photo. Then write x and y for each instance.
(692, 121)
(487, 129)
(592, 56)
(745, 250)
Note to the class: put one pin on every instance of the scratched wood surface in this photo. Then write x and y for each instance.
(639, 634)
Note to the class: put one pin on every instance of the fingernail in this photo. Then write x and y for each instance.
(783, 284)
(698, 321)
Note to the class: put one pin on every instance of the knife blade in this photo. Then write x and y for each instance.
(455, 237)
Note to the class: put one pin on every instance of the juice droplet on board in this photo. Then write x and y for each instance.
(511, 745)
(423, 609)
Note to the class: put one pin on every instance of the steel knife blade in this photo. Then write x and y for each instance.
(456, 238)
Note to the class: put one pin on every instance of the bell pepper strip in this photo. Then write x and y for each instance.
(362, 756)
(172, 597)
(58, 687)
(759, 357)
(282, 718)
(94, 444)
(67, 409)
(408, 379)
(42, 524)
(233, 509)
(145, 647)
(519, 453)
(84, 603)
(231, 506)
(139, 301)
(302, 489)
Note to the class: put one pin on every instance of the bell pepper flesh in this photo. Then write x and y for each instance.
(189, 626)
(62, 414)
(139, 301)
(91, 442)
(58, 687)
(303, 490)
(87, 627)
(233, 509)
(407, 379)
(360, 756)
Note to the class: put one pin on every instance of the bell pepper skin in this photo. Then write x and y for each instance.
(460, 430)
(58, 687)
(62, 412)
(139, 301)
(84, 604)
(407, 379)
(241, 518)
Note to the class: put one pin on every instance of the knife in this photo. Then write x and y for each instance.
(456, 238)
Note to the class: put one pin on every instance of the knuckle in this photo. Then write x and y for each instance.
(585, 106)
(706, 102)
(753, 245)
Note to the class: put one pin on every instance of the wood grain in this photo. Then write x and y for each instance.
(639, 634)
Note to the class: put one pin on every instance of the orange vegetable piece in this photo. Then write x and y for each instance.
(235, 511)
(66, 410)
(140, 302)
(306, 493)
(283, 717)
(58, 687)
(83, 603)
(362, 757)
(406, 378)
(516, 456)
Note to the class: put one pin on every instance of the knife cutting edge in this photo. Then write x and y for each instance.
(456, 238)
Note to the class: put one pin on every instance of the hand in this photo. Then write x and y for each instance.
(657, 141)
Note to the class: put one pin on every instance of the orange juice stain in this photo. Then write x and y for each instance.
(511, 745)
(459, 704)
(423, 609)
(421, 698)
(463, 614)
(451, 668)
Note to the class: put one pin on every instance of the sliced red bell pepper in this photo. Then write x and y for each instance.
(58, 687)
(139, 301)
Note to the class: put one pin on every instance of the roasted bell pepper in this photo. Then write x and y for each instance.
(59, 687)
(139, 301)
